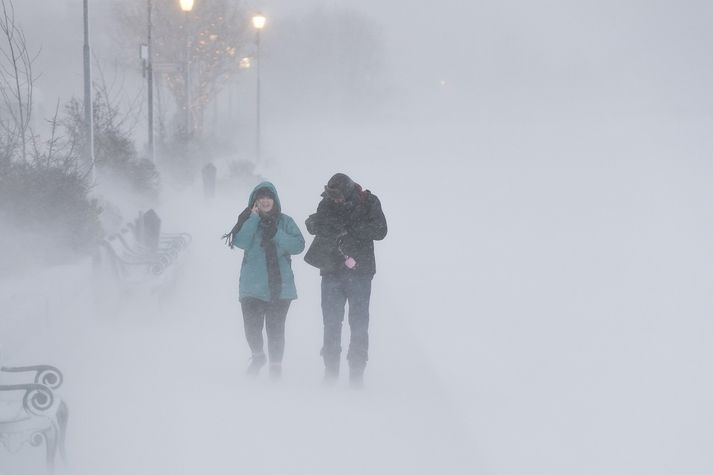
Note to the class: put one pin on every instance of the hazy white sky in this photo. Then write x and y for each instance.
(543, 297)
(648, 52)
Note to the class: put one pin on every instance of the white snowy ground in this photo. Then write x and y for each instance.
(541, 306)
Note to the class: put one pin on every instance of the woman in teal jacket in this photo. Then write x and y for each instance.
(267, 284)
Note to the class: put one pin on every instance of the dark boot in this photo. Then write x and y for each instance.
(257, 361)
(356, 377)
(331, 371)
(275, 371)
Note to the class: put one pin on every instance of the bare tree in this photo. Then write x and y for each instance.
(195, 53)
(16, 80)
(56, 151)
(44, 198)
(117, 159)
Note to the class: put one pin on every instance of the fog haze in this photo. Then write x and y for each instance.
(542, 300)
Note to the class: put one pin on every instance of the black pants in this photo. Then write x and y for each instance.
(258, 313)
(338, 289)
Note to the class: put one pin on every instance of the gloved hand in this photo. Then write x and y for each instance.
(328, 228)
(242, 217)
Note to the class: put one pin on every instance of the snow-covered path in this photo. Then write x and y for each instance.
(157, 386)
(184, 405)
(541, 306)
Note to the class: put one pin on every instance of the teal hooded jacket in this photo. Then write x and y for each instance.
(288, 242)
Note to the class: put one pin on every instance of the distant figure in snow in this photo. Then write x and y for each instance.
(267, 285)
(347, 222)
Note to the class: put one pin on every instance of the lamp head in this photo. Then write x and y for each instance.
(259, 21)
(186, 5)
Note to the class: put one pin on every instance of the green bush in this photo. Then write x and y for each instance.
(47, 212)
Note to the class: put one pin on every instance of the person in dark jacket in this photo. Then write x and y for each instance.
(267, 285)
(347, 222)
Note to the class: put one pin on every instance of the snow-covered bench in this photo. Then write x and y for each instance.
(140, 254)
(31, 413)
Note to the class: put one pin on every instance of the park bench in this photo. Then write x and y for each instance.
(140, 254)
(31, 412)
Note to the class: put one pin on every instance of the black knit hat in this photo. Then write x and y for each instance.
(339, 186)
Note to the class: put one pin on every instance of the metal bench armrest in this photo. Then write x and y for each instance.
(45, 375)
(38, 398)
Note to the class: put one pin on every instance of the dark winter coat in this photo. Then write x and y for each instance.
(346, 229)
(252, 233)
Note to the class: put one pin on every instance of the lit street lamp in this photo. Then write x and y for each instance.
(259, 21)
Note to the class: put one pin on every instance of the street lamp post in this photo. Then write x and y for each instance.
(149, 74)
(88, 116)
(187, 6)
(259, 23)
